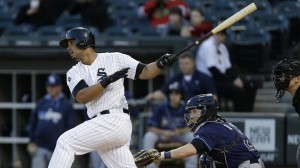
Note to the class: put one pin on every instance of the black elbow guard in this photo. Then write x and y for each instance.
(199, 146)
(139, 70)
(78, 87)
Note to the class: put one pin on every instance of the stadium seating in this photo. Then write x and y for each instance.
(47, 31)
(241, 3)
(117, 31)
(263, 5)
(4, 6)
(243, 24)
(6, 17)
(118, 5)
(16, 4)
(125, 17)
(67, 19)
(250, 50)
(138, 2)
(277, 26)
(219, 17)
(193, 4)
(291, 10)
(220, 6)
(148, 31)
(18, 31)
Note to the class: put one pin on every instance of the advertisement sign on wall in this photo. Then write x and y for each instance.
(261, 133)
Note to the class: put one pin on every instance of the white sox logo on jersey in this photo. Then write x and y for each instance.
(101, 73)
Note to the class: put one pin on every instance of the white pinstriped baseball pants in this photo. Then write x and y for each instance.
(108, 134)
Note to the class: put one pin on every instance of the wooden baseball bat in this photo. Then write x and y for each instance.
(228, 22)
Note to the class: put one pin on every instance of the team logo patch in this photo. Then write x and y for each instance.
(69, 79)
(101, 73)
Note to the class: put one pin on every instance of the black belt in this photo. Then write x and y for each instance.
(108, 112)
(253, 161)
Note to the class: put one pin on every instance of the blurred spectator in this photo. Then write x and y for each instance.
(52, 116)
(176, 22)
(199, 26)
(193, 82)
(167, 123)
(158, 11)
(93, 12)
(213, 60)
(40, 12)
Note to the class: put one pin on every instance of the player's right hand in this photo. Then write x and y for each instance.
(166, 60)
(114, 77)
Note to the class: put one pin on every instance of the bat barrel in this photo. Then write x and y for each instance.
(228, 22)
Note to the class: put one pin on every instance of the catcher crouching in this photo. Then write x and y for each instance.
(220, 143)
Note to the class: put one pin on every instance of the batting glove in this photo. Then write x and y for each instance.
(114, 77)
(165, 61)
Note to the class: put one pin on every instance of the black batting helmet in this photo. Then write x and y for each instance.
(84, 38)
(204, 102)
(283, 73)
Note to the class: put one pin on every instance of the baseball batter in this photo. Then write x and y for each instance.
(97, 81)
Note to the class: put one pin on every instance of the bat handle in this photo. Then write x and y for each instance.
(207, 35)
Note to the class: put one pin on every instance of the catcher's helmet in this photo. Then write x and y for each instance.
(208, 106)
(283, 73)
(83, 36)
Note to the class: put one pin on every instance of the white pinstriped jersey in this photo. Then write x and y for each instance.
(105, 64)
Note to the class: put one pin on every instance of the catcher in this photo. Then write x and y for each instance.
(220, 141)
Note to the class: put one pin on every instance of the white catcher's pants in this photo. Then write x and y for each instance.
(108, 134)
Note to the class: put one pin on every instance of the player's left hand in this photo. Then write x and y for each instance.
(114, 77)
(166, 60)
(146, 157)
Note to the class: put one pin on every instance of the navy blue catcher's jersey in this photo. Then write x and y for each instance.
(216, 135)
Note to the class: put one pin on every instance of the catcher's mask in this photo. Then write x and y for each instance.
(84, 38)
(206, 162)
(283, 73)
(202, 108)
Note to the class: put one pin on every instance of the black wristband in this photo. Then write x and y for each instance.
(104, 82)
(159, 64)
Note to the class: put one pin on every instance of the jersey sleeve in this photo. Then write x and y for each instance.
(125, 61)
(210, 135)
(73, 78)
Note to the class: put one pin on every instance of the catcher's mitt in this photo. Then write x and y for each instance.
(145, 157)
